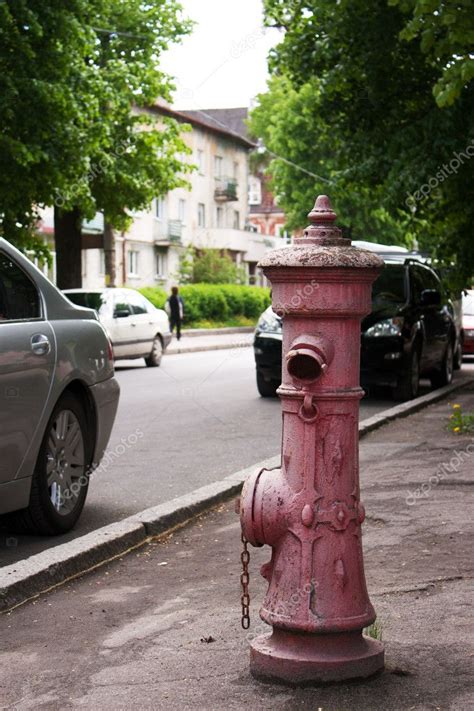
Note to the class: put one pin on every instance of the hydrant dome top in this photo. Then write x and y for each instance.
(322, 245)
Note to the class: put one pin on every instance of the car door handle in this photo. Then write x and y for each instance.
(40, 344)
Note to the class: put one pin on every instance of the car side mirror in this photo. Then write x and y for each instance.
(122, 312)
(430, 297)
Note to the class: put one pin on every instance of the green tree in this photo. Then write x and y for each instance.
(77, 77)
(45, 123)
(352, 101)
(446, 32)
(209, 266)
(139, 158)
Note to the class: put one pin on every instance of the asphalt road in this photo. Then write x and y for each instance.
(190, 422)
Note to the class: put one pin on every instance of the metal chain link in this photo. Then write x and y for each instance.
(244, 582)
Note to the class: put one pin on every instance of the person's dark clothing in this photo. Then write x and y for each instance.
(175, 310)
(175, 322)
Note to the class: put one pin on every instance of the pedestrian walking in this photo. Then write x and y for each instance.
(175, 309)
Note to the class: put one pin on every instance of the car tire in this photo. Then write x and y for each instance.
(266, 388)
(444, 376)
(57, 495)
(156, 354)
(409, 381)
(457, 362)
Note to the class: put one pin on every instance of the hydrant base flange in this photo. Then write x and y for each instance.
(298, 659)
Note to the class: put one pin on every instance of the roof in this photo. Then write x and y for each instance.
(230, 119)
(224, 122)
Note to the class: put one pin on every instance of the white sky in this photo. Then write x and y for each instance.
(222, 64)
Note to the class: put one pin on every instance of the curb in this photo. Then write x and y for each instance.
(174, 350)
(217, 331)
(408, 408)
(26, 579)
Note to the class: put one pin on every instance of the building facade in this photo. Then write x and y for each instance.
(213, 213)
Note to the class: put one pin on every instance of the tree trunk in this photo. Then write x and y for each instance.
(109, 253)
(67, 237)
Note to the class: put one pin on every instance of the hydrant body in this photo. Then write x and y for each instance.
(309, 510)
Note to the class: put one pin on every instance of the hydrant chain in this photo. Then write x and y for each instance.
(244, 583)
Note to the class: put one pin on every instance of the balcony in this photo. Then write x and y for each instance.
(225, 190)
(168, 232)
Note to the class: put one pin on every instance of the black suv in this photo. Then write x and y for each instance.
(410, 332)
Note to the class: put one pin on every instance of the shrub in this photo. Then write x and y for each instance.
(215, 302)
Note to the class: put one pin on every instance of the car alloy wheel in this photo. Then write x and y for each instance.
(65, 462)
(61, 477)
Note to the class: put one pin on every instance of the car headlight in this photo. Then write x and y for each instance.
(269, 323)
(387, 327)
(469, 332)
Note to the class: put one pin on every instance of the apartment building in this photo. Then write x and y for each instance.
(212, 213)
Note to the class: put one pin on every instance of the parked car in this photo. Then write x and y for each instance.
(410, 332)
(58, 398)
(468, 319)
(136, 328)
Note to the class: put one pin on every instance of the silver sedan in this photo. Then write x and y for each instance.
(58, 398)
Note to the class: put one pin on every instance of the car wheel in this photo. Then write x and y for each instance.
(444, 376)
(457, 362)
(409, 381)
(154, 359)
(61, 477)
(266, 388)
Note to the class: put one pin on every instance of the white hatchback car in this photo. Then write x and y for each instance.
(136, 328)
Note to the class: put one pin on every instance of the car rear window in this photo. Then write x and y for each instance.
(390, 287)
(89, 299)
(19, 298)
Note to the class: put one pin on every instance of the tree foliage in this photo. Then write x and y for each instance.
(75, 78)
(446, 32)
(209, 266)
(351, 101)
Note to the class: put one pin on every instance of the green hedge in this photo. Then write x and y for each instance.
(215, 302)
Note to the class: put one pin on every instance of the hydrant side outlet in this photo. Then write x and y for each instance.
(309, 510)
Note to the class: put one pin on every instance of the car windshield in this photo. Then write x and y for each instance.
(390, 287)
(89, 299)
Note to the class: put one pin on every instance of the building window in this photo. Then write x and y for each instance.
(219, 217)
(159, 208)
(218, 166)
(255, 191)
(160, 263)
(182, 210)
(200, 161)
(236, 221)
(133, 263)
(101, 262)
(201, 214)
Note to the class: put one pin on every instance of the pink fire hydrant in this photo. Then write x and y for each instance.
(309, 511)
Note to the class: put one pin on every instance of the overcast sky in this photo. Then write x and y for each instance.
(223, 63)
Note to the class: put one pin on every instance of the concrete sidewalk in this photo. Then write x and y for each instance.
(217, 339)
(160, 627)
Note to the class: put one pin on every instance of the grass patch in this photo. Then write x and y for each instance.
(374, 630)
(237, 321)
